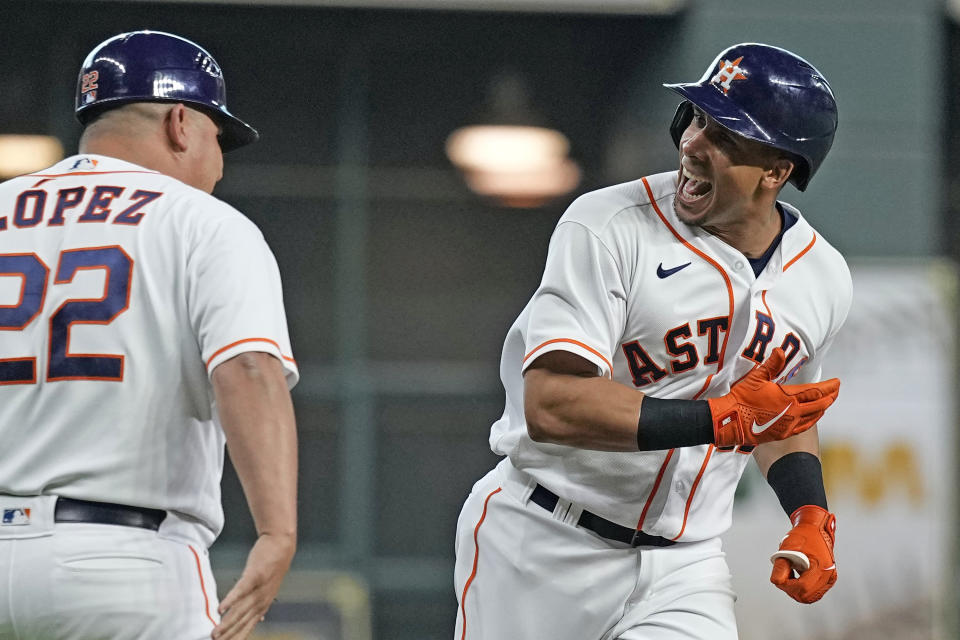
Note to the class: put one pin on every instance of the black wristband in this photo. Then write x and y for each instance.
(797, 479)
(665, 424)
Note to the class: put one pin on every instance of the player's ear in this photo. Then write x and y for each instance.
(777, 173)
(175, 127)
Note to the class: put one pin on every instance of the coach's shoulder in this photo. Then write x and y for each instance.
(205, 211)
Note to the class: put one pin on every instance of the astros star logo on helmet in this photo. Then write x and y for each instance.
(727, 73)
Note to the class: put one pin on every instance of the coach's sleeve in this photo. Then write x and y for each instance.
(234, 295)
(580, 305)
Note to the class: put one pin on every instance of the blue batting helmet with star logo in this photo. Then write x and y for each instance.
(767, 94)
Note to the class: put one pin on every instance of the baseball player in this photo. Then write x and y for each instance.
(680, 327)
(143, 327)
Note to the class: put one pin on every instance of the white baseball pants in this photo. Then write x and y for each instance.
(101, 582)
(525, 574)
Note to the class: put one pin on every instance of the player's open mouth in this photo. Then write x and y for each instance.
(692, 187)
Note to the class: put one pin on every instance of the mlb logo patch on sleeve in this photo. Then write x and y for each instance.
(15, 517)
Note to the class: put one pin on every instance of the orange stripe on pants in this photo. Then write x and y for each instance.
(476, 558)
(203, 589)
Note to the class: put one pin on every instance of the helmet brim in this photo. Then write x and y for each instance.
(236, 132)
(727, 114)
(731, 117)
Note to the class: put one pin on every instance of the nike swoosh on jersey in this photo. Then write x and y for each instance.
(757, 429)
(663, 273)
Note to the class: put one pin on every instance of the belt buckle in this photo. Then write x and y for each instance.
(635, 542)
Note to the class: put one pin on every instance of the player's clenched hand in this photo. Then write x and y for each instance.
(808, 549)
(248, 601)
(758, 410)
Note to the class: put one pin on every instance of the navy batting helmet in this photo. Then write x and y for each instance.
(769, 95)
(152, 66)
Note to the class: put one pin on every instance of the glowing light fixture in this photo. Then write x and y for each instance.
(20, 154)
(506, 148)
(525, 188)
(509, 158)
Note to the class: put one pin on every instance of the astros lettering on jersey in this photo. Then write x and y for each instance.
(672, 311)
(116, 280)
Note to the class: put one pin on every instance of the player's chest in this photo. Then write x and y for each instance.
(688, 318)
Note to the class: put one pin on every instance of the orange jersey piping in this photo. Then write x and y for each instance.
(663, 467)
(703, 388)
(723, 350)
(711, 261)
(800, 255)
(653, 492)
(576, 342)
(81, 173)
(763, 297)
(233, 344)
(693, 490)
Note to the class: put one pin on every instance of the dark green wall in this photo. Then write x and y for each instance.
(399, 284)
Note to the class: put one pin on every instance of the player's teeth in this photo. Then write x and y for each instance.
(690, 176)
(694, 188)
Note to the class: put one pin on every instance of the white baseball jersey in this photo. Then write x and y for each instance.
(121, 289)
(675, 312)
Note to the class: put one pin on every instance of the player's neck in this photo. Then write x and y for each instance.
(751, 234)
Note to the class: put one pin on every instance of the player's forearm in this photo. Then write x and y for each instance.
(583, 412)
(596, 413)
(793, 471)
(566, 402)
(257, 417)
(769, 452)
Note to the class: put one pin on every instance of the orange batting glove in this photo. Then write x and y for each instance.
(808, 550)
(758, 410)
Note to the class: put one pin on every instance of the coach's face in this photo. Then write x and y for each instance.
(724, 178)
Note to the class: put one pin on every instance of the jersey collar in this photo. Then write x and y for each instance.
(88, 164)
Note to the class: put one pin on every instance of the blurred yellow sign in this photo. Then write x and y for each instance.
(894, 472)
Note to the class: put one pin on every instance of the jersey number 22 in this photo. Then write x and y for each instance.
(61, 364)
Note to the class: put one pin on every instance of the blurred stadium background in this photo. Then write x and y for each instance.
(402, 273)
